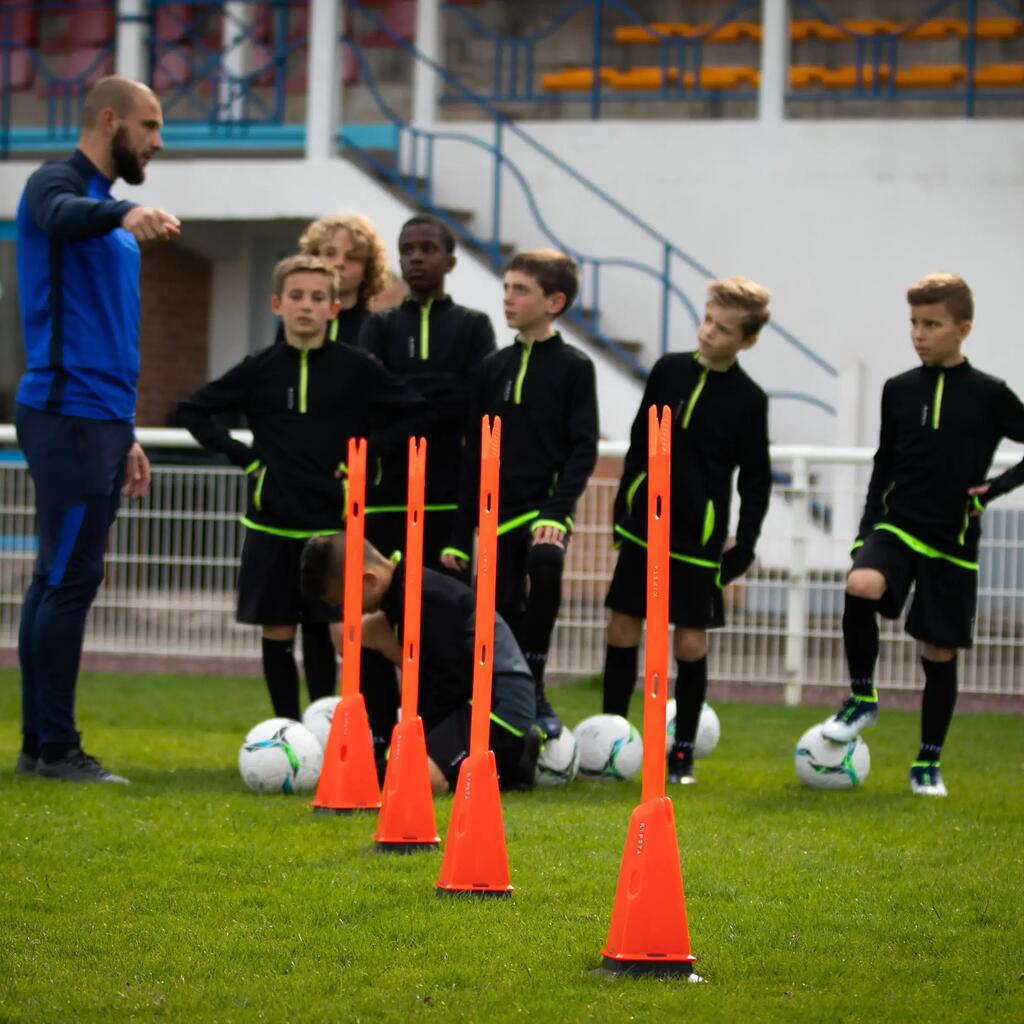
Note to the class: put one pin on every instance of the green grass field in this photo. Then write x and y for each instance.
(187, 898)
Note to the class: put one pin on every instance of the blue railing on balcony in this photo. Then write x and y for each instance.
(680, 60)
(414, 174)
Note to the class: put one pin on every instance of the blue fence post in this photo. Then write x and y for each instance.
(971, 56)
(595, 61)
(666, 280)
(496, 197)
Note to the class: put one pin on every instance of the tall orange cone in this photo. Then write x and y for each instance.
(648, 932)
(406, 822)
(475, 859)
(348, 778)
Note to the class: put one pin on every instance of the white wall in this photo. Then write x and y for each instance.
(836, 218)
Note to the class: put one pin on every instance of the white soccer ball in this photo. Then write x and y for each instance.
(559, 760)
(318, 716)
(709, 729)
(280, 756)
(824, 764)
(610, 748)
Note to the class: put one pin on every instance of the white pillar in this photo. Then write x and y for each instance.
(771, 100)
(130, 56)
(426, 81)
(236, 45)
(323, 96)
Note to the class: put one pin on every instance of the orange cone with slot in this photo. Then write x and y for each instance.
(648, 932)
(348, 778)
(406, 822)
(475, 859)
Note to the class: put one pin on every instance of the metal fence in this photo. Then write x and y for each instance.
(172, 564)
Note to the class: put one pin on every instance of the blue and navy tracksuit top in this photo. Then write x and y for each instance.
(78, 279)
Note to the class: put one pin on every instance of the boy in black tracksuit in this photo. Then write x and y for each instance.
(720, 423)
(303, 399)
(447, 655)
(545, 393)
(941, 425)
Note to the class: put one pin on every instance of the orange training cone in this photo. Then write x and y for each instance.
(648, 932)
(475, 858)
(348, 778)
(406, 822)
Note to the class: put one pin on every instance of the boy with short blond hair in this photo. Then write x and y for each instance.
(941, 425)
(720, 424)
(303, 399)
(545, 393)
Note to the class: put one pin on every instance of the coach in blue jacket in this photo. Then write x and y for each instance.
(78, 279)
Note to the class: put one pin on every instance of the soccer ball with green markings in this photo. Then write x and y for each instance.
(825, 764)
(610, 748)
(559, 760)
(280, 755)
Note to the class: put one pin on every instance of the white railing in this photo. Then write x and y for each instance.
(172, 563)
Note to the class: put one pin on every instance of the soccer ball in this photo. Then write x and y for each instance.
(559, 760)
(318, 716)
(280, 755)
(610, 748)
(825, 764)
(709, 729)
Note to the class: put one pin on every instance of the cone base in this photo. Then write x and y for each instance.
(480, 893)
(639, 968)
(346, 810)
(410, 847)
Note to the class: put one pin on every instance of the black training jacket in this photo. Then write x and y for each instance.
(344, 328)
(940, 429)
(546, 396)
(302, 408)
(720, 424)
(434, 348)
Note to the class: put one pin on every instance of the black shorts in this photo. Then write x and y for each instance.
(694, 596)
(386, 532)
(448, 747)
(268, 584)
(945, 595)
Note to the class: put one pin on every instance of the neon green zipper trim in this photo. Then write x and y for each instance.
(709, 522)
(255, 464)
(257, 495)
(940, 385)
(332, 330)
(702, 562)
(279, 532)
(524, 360)
(967, 522)
(303, 380)
(633, 488)
(425, 330)
(512, 524)
(692, 400)
(926, 549)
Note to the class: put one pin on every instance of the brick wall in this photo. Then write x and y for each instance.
(175, 286)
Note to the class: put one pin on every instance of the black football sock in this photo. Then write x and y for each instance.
(619, 678)
(282, 676)
(937, 704)
(691, 689)
(860, 638)
(379, 688)
(319, 661)
(544, 565)
(30, 744)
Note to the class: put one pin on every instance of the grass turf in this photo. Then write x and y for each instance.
(185, 897)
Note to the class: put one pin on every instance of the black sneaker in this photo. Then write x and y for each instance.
(526, 770)
(926, 779)
(856, 714)
(680, 765)
(26, 764)
(548, 721)
(78, 766)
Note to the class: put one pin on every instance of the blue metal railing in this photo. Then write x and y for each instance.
(880, 72)
(415, 176)
(514, 59)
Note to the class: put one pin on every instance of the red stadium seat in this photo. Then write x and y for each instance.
(400, 17)
(77, 71)
(85, 28)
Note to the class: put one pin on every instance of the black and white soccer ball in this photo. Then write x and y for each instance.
(610, 748)
(318, 716)
(559, 760)
(709, 729)
(280, 755)
(824, 764)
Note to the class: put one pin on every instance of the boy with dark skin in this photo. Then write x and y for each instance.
(941, 425)
(447, 655)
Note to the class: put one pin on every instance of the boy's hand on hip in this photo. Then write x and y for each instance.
(977, 492)
(454, 563)
(549, 535)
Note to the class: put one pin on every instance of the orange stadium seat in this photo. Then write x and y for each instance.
(736, 32)
(938, 28)
(649, 78)
(852, 76)
(999, 76)
(998, 28)
(930, 76)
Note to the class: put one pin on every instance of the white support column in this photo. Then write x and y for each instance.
(323, 98)
(426, 82)
(796, 594)
(235, 48)
(771, 101)
(130, 57)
